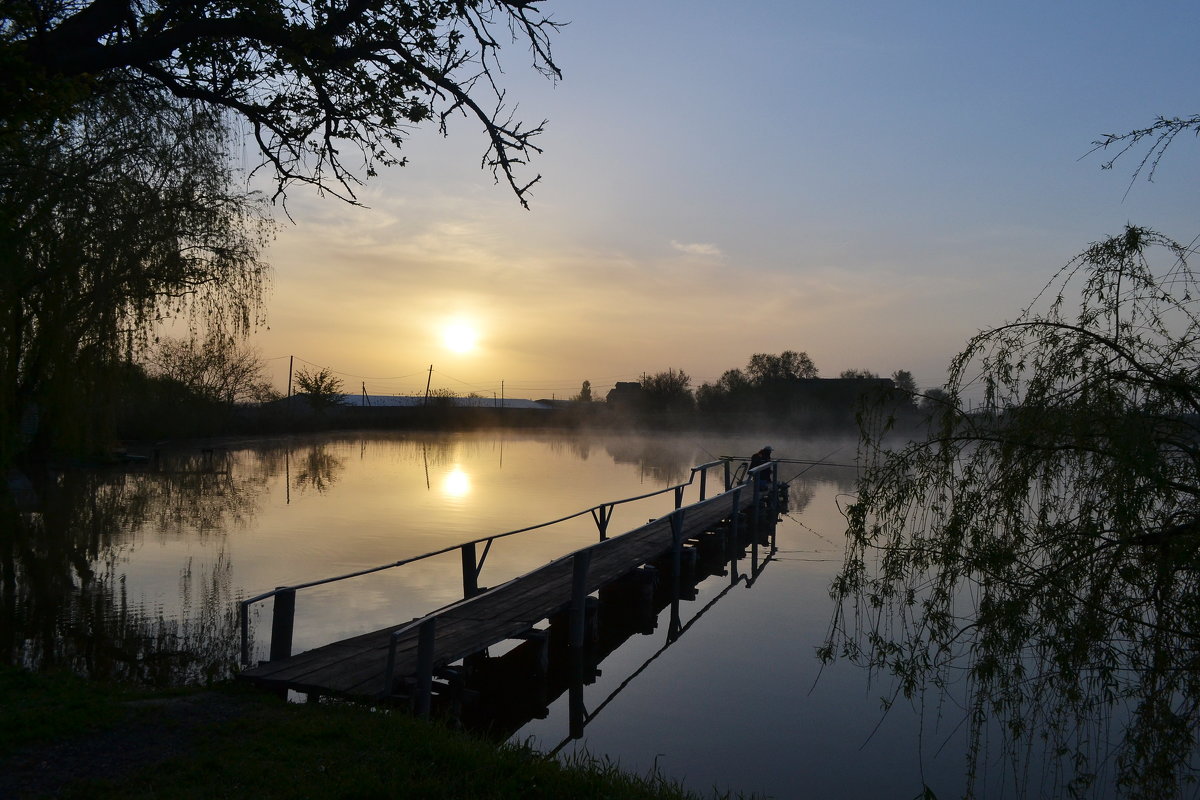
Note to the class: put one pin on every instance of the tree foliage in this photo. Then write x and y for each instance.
(668, 391)
(218, 369)
(111, 220)
(1048, 547)
(765, 367)
(316, 83)
(585, 393)
(321, 387)
(857, 374)
(906, 383)
(1156, 138)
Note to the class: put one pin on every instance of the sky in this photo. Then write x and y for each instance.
(869, 182)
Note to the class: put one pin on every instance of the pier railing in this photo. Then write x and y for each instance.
(284, 611)
(761, 481)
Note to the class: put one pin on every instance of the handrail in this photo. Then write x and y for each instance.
(244, 605)
(425, 625)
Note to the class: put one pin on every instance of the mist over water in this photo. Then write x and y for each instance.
(141, 571)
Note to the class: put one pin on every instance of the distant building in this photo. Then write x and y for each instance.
(626, 395)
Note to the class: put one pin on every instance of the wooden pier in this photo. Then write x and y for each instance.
(401, 661)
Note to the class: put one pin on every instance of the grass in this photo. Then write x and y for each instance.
(35, 709)
(273, 749)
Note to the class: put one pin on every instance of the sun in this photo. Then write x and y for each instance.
(460, 337)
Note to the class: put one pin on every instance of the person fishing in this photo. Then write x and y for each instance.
(758, 459)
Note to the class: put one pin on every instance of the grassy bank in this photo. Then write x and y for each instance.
(63, 737)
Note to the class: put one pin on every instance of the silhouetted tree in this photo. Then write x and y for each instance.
(905, 382)
(788, 365)
(731, 392)
(935, 401)
(585, 393)
(314, 82)
(321, 387)
(858, 374)
(667, 391)
(1047, 549)
(1159, 136)
(218, 368)
(111, 220)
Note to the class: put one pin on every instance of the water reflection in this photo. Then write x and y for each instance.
(66, 602)
(498, 695)
(457, 483)
(316, 469)
(663, 460)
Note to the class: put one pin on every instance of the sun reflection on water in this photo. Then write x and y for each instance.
(457, 483)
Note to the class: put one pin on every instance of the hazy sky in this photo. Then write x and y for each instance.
(868, 182)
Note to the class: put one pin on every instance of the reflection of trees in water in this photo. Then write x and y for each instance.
(800, 494)
(665, 459)
(193, 494)
(578, 446)
(62, 583)
(316, 469)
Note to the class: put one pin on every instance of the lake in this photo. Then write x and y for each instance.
(135, 573)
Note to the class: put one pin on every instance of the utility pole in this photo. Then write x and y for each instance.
(291, 360)
(427, 382)
(502, 394)
(366, 400)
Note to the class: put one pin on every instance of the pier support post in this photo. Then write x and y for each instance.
(580, 563)
(676, 544)
(423, 692)
(579, 595)
(282, 620)
(470, 571)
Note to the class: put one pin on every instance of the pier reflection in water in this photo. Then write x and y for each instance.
(498, 695)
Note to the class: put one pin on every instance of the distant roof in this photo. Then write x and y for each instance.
(392, 401)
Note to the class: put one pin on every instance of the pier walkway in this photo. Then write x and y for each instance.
(402, 660)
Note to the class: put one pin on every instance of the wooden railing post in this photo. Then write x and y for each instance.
(775, 488)
(423, 691)
(244, 619)
(728, 475)
(602, 519)
(282, 620)
(470, 571)
(757, 501)
(678, 497)
(703, 483)
(735, 515)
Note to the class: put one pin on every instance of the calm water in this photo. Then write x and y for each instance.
(136, 573)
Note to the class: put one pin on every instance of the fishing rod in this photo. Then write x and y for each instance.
(812, 463)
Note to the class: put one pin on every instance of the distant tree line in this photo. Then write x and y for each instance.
(786, 386)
